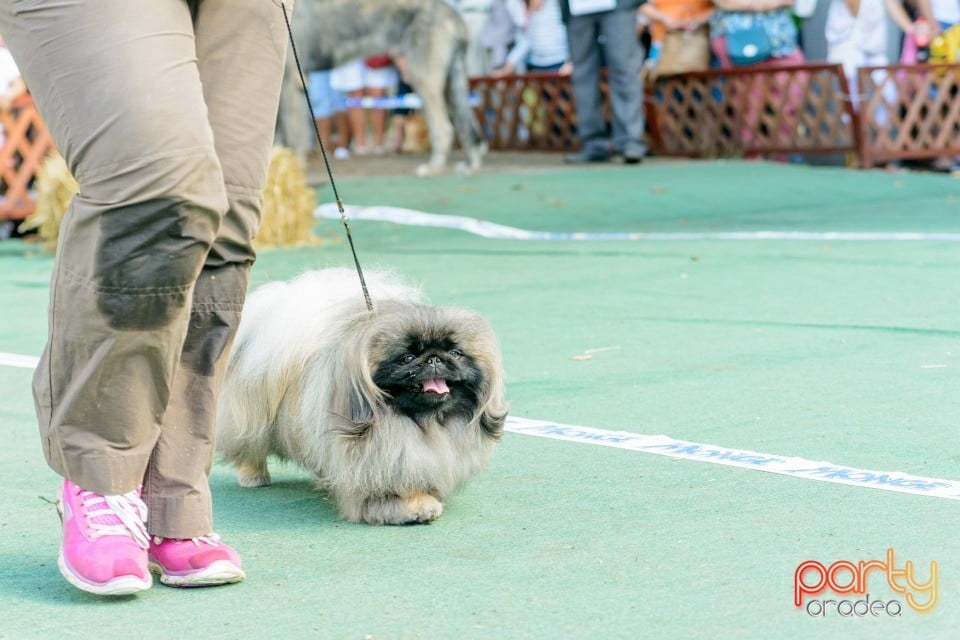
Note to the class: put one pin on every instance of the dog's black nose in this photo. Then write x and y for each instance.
(436, 365)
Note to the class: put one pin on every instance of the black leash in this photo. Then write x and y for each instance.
(323, 152)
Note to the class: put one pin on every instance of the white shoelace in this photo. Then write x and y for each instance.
(213, 539)
(128, 508)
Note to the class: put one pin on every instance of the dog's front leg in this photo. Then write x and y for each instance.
(252, 473)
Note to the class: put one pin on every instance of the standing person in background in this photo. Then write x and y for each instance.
(615, 22)
(165, 115)
(329, 105)
(540, 43)
(506, 19)
(856, 34)
(760, 34)
(368, 78)
(673, 15)
(773, 17)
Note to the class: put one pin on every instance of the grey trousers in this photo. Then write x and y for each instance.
(624, 59)
(164, 110)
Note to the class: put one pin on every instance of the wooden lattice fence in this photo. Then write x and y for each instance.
(802, 109)
(26, 142)
(909, 111)
(737, 112)
(532, 111)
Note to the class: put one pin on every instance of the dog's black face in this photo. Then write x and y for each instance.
(428, 373)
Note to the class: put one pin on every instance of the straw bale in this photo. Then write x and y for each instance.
(288, 203)
(55, 188)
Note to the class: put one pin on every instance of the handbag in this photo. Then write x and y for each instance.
(749, 45)
(683, 51)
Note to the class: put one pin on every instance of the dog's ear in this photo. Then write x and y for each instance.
(354, 396)
(360, 409)
(491, 422)
(356, 414)
(493, 407)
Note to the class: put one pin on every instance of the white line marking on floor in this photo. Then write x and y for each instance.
(682, 449)
(17, 360)
(488, 229)
(790, 466)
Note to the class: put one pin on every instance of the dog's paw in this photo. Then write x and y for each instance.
(419, 508)
(422, 508)
(463, 169)
(475, 156)
(252, 475)
(426, 170)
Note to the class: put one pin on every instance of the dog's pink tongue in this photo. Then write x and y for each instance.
(437, 385)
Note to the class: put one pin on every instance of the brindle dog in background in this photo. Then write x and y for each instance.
(429, 34)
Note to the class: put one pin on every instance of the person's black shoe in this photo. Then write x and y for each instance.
(584, 157)
(633, 155)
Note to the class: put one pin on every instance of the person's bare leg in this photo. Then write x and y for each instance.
(378, 121)
(358, 124)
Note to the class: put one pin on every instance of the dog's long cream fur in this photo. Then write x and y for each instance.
(299, 386)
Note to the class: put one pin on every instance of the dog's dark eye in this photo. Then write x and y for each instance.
(455, 353)
(408, 358)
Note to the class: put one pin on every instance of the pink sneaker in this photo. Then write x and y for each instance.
(104, 548)
(196, 562)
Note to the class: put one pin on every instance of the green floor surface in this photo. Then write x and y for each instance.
(828, 350)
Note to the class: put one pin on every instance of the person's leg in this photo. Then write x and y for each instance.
(357, 118)
(585, 54)
(377, 81)
(349, 79)
(321, 101)
(378, 122)
(242, 104)
(325, 127)
(342, 126)
(136, 138)
(151, 197)
(624, 61)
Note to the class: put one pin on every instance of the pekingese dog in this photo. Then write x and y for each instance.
(391, 410)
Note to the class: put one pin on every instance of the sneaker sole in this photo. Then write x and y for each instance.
(122, 586)
(222, 572)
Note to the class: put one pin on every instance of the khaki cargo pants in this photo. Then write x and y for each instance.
(164, 111)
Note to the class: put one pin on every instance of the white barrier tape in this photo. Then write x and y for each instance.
(421, 219)
(405, 101)
(744, 459)
(666, 446)
(487, 229)
(17, 360)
